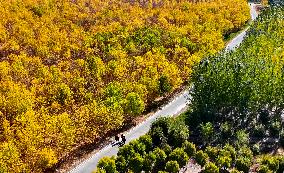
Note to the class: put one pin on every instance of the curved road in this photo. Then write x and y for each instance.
(239, 38)
(172, 108)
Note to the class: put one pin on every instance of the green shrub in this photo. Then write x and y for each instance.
(271, 162)
(136, 163)
(234, 170)
(212, 152)
(264, 169)
(107, 164)
(159, 131)
(281, 164)
(256, 149)
(164, 85)
(189, 148)
(211, 168)
(158, 137)
(120, 164)
(138, 147)
(180, 156)
(245, 152)
(207, 132)
(172, 166)
(149, 162)
(147, 141)
(127, 151)
(167, 149)
(160, 159)
(243, 164)
(224, 161)
(242, 138)
(178, 133)
(201, 158)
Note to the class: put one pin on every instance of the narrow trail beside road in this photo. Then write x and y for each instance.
(174, 107)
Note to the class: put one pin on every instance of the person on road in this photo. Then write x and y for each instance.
(116, 142)
(123, 139)
(116, 138)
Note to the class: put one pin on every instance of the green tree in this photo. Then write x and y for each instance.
(231, 150)
(211, 168)
(99, 170)
(281, 140)
(201, 158)
(224, 92)
(160, 159)
(180, 156)
(64, 94)
(271, 162)
(245, 152)
(264, 169)
(212, 152)
(149, 162)
(164, 85)
(234, 170)
(243, 164)
(259, 131)
(172, 166)
(224, 161)
(158, 137)
(107, 164)
(226, 130)
(281, 164)
(127, 151)
(113, 94)
(207, 131)
(120, 164)
(136, 163)
(159, 131)
(138, 146)
(167, 149)
(189, 148)
(256, 149)
(164, 123)
(178, 133)
(147, 141)
(134, 105)
(275, 127)
(242, 138)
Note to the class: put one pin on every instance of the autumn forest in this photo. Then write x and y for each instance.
(71, 71)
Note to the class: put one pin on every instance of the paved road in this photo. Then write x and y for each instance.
(172, 108)
(239, 38)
